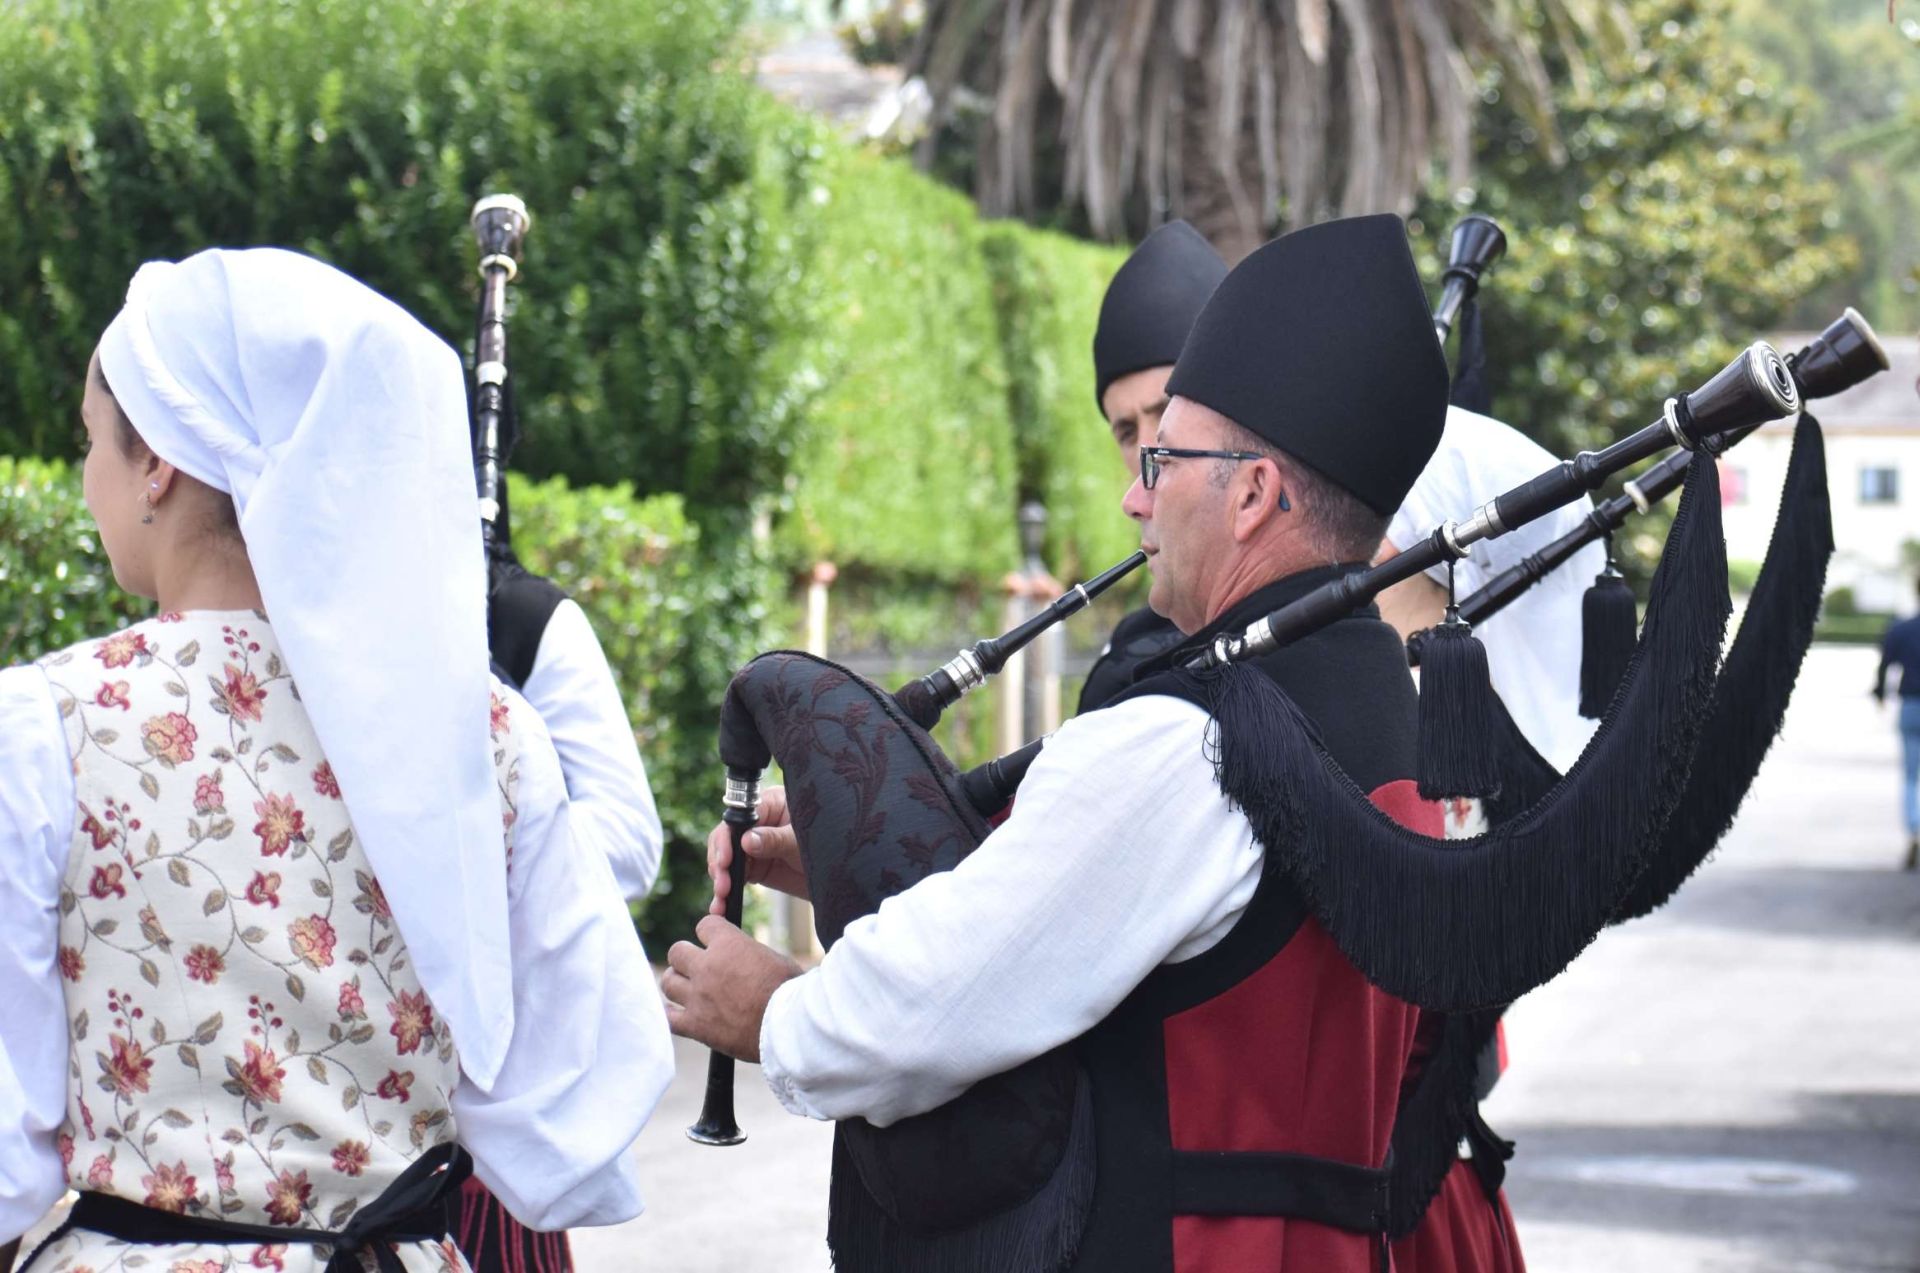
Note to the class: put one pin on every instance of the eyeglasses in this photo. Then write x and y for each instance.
(1151, 456)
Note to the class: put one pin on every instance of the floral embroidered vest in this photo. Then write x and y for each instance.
(247, 1038)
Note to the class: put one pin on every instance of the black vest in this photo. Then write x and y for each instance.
(1351, 681)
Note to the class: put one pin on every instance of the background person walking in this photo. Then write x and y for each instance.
(1900, 648)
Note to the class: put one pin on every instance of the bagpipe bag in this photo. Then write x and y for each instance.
(1002, 1176)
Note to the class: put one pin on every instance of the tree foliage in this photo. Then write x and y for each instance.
(1243, 116)
(1857, 80)
(1680, 228)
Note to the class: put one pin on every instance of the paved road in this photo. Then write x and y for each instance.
(1770, 1016)
(1731, 1085)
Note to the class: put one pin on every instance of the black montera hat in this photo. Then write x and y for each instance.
(1322, 343)
(1152, 302)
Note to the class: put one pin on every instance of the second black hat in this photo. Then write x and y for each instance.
(1151, 303)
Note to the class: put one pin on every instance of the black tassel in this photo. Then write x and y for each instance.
(1456, 756)
(1470, 388)
(1609, 618)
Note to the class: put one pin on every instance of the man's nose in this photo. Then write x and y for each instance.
(1137, 503)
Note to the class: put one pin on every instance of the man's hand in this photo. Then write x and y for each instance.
(773, 853)
(718, 995)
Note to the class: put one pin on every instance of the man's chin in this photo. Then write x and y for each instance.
(1159, 602)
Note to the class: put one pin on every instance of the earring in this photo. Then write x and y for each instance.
(146, 501)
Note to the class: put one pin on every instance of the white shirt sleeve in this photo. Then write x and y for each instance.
(572, 688)
(1121, 854)
(36, 834)
(590, 1055)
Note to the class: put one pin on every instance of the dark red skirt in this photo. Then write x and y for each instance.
(1464, 1232)
(495, 1242)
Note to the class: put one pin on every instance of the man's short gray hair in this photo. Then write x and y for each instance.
(1339, 527)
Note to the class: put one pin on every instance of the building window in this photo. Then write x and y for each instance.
(1880, 485)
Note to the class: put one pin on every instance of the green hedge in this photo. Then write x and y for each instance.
(653, 315)
(55, 586)
(1047, 293)
(633, 564)
(908, 463)
(1680, 228)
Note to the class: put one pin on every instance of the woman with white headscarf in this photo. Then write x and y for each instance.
(1533, 646)
(291, 921)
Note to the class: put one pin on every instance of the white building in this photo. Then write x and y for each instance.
(1873, 479)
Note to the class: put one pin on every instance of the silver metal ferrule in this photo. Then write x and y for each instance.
(500, 261)
(1080, 590)
(1670, 412)
(1256, 640)
(491, 372)
(965, 672)
(512, 202)
(1638, 496)
(743, 793)
(1774, 378)
(1484, 524)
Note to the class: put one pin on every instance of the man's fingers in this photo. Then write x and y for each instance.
(674, 987)
(683, 956)
(711, 929)
(777, 844)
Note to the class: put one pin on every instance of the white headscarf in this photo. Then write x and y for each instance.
(338, 424)
(1533, 646)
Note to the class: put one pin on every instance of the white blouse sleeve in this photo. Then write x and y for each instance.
(572, 688)
(1120, 854)
(590, 1055)
(36, 831)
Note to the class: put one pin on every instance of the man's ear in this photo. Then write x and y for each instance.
(1259, 497)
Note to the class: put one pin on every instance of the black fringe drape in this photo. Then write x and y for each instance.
(1459, 925)
(1749, 703)
(1750, 697)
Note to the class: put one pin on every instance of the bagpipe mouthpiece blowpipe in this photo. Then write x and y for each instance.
(1752, 389)
(1842, 356)
(500, 223)
(1477, 243)
(716, 1124)
(925, 699)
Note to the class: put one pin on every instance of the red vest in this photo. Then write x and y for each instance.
(1270, 1044)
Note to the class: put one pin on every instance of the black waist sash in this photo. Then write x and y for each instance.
(412, 1209)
